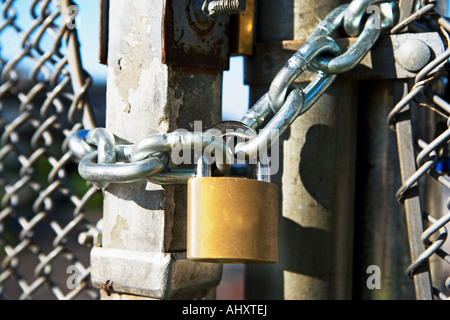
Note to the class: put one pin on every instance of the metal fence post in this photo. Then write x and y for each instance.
(144, 225)
(316, 175)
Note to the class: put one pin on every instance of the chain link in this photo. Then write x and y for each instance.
(284, 101)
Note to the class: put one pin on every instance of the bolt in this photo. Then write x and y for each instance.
(413, 55)
(216, 8)
(84, 238)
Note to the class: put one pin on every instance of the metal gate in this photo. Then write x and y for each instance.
(49, 215)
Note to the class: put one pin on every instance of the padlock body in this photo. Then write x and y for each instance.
(232, 220)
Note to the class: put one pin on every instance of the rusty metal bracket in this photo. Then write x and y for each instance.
(191, 41)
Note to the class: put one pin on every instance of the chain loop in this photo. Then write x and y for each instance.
(321, 53)
(319, 43)
(183, 140)
(367, 36)
(149, 157)
(357, 9)
(105, 142)
(241, 130)
(102, 174)
(296, 65)
(353, 56)
(298, 102)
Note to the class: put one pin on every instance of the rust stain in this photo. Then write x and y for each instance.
(184, 45)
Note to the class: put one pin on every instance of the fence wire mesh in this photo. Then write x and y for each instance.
(44, 202)
(430, 266)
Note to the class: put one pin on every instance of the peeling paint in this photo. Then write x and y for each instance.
(171, 110)
(119, 231)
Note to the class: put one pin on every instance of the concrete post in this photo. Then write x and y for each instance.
(316, 179)
(144, 225)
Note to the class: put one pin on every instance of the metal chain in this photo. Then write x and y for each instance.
(284, 100)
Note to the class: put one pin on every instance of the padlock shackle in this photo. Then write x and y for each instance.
(262, 169)
(203, 169)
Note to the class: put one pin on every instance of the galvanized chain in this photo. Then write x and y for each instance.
(284, 100)
(40, 107)
(430, 155)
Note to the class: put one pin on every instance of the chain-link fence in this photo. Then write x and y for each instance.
(419, 159)
(43, 200)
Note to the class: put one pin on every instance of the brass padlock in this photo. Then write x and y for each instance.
(232, 220)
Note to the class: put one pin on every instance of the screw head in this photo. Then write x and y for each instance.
(413, 55)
